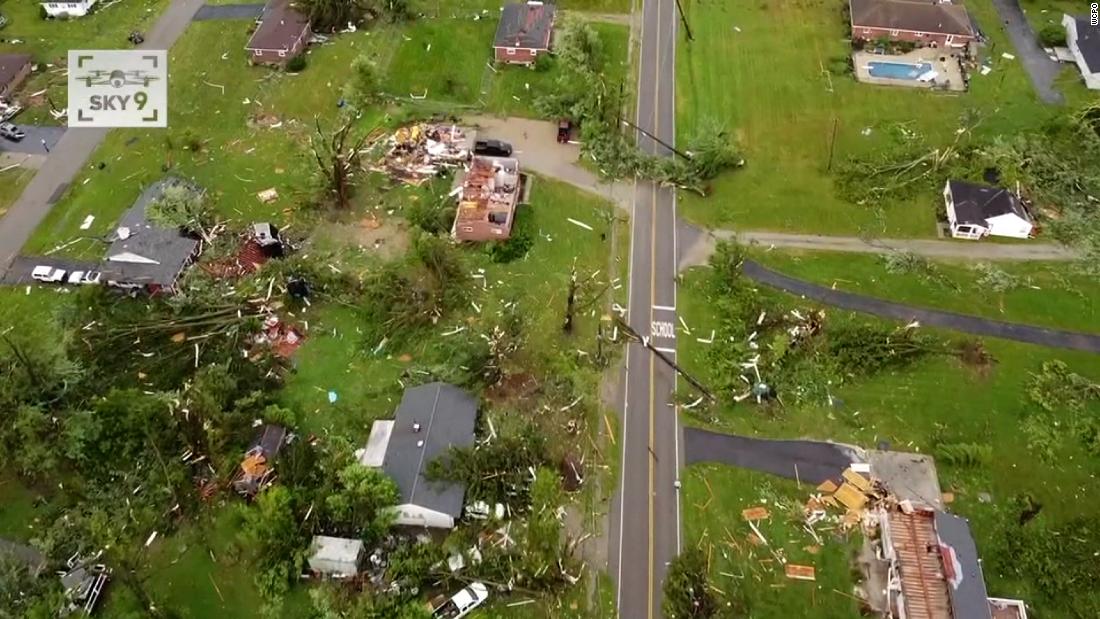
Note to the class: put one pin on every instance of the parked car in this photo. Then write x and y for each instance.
(462, 602)
(48, 274)
(565, 128)
(492, 148)
(82, 277)
(11, 132)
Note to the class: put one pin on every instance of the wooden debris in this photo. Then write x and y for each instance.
(857, 480)
(755, 513)
(850, 496)
(800, 572)
(827, 487)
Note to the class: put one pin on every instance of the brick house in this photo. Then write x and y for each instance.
(524, 32)
(14, 68)
(487, 200)
(283, 33)
(924, 22)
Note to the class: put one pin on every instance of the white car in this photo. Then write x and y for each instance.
(81, 277)
(48, 274)
(463, 602)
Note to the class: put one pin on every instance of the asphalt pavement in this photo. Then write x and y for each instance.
(74, 148)
(33, 143)
(975, 325)
(19, 272)
(809, 461)
(645, 517)
(1040, 68)
(212, 12)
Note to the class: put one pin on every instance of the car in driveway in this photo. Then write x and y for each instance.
(84, 277)
(462, 603)
(492, 148)
(48, 274)
(9, 131)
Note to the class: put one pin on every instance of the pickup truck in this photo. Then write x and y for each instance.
(462, 602)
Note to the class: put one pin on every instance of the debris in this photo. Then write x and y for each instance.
(578, 223)
(149, 540)
(332, 397)
(800, 572)
(1007, 56)
(268, 195)
(755, 513)
(87, 223)
(948, 497)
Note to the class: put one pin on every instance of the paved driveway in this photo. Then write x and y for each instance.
(210, 12)
(1040, 68)
(809, 461)
(20, 270)
(32, 144)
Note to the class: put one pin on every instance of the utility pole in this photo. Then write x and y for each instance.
(656, 139)
(832, 144)
(684, 19)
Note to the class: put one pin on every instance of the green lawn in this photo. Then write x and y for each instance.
(12, 183)
(938, 398)
(767, 83)
(1049, 294)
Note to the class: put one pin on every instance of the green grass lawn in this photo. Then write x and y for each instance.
(767, 83)
(12, 183)
(936, 398)
(1049, 294)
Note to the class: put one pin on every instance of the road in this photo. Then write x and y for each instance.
(1041, 70)
(808, 461)
(74, 149)
(32, 144)
(646, 519)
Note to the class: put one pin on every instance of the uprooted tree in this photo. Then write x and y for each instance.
(337, 157)
(185, 207)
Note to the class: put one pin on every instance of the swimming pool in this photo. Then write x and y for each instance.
(898, 70)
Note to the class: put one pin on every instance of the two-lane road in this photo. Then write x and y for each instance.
(646, 523)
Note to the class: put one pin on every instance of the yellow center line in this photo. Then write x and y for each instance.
(653, 301)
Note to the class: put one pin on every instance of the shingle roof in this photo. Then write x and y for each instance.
(10, 66)
(974, 204)
(168, 249)
(445, 416)
(1088, 41)
(966, 589)
(280, 27)
(525, 25)
(913, 15)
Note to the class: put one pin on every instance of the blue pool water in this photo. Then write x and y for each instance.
(898, 70)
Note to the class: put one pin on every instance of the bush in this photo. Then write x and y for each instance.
(516, 246)
(296, 64)
(1052, 35)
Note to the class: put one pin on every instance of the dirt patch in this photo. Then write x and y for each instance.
(974, 355)
(387, 238)
(513, 387)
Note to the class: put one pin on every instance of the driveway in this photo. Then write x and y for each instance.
(210, 12)
(809, 461)
(20, 270)
(1040, 68)
(32, 144)
(1053, 338)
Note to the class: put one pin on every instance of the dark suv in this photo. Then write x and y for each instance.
(492, 148)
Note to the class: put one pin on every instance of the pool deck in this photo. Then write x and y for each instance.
(944, 62)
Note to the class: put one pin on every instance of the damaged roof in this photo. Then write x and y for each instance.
(12, 65)
(963, 571)
(912, 15)
(525, 25)
(281, 26)
(431, 419)
(976, 203)
(149, 253)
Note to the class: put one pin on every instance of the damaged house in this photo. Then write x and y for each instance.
(147, 255)
(975, 211)
(431, 419)
(526, 30)
(257, 469)
(487, 201)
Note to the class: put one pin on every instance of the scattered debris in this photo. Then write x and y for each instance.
(800, 572)
(420, 152)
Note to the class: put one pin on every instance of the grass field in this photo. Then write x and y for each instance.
(937, 399)
(760, 68)
(1049, 293)
(12, 183)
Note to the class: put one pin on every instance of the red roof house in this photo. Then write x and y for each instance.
(524, 32)
(283, 33)
(924, 22)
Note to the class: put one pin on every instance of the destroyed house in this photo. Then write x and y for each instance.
(487, 201)
(974, 211)
(335, 557)
(525, 31)
(258, 466)
(283, 33)
(148, 255)
(430, 420)
(934, 570)
(923, 22)
(14, 68)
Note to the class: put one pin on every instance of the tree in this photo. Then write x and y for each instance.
(22, 595)
(1053, 35)
(333, 15)
(358, 505)
(686, 593)
(184, 207)
(363, 87)
(337, 157)
(276, 541)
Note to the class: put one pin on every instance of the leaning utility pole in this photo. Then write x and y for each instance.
(683, 18)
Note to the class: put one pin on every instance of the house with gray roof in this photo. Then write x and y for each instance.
(147, 255)
(1083, 41)
(431, 419)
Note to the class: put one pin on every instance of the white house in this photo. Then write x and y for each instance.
(975, 211)
(80, 8)
(336, 557)
(431, 419)
(1083, 41)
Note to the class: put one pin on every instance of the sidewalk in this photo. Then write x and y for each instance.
(74, 149)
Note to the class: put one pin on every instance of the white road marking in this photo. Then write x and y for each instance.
(671, 351)
(662, 328)
(665, 308)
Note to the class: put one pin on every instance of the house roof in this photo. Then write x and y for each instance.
(336, 549)
(962, 570)
(975, 204)
(32, 558)
(280, 27)
(150, 253)
(431, 419)
(1088, 42)
(912, 15)
(10, 66)
(526, 25)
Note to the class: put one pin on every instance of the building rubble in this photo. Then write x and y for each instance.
(420, 152)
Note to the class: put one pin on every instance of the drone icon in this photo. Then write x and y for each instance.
(117, 78)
